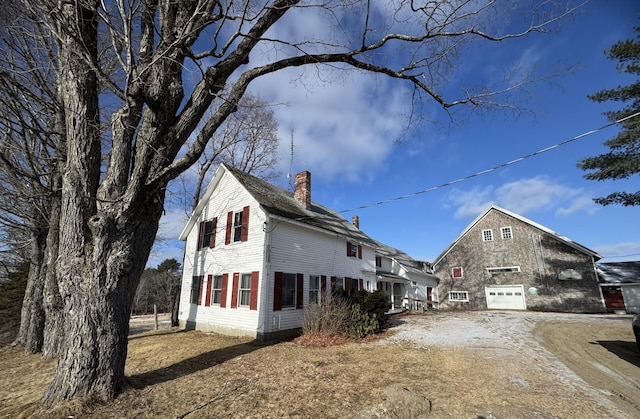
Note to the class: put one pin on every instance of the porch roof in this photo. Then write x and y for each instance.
(389, 275)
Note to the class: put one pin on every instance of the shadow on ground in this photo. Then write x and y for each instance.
(627, 351)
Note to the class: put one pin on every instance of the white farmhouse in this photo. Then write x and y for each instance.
(257, 255)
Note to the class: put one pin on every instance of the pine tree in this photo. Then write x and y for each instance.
(623, 159)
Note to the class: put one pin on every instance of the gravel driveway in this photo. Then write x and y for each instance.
(511, 335)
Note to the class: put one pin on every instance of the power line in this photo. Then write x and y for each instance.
(500, 166)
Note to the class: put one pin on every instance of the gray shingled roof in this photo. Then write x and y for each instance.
(281, 203)
(618, 272)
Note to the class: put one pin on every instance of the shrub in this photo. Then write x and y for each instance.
(331, 316)
(355, 316)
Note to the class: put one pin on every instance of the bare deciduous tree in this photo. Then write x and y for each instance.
(247, 140)
(160, 121)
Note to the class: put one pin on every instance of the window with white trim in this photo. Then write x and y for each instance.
(245, 290)
(456, 272)
(459, 296)
(288, 290)
(506, 232)
(216, 292)
(487, 235)
(237, 226)
(314, 289)
(502, 269)
(196, 287)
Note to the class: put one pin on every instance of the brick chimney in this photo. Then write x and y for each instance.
(302, 188)
(356, 221)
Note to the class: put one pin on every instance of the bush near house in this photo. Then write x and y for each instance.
(355, 316)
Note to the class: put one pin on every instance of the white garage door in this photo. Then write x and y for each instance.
(506, 297)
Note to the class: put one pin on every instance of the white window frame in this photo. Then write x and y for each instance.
(244, 290)
(314, 289)
(461, 272)
(216, 291)
(459, 296)
(503, 269)
(506, 233)
(237, 227)
(285, 278)
(487, 235)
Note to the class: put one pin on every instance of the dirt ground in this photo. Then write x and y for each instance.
(440, 365)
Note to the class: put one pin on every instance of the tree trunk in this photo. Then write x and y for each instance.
(97, 312)
(31, 329)
(53, 305)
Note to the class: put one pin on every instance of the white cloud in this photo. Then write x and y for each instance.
(171, 224)
(523, 196)
(343, 129)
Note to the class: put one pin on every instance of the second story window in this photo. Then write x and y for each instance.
(378, 261)
(354, 250)
(506, 233)
(207, 234)
(237, 226)
(487, 235)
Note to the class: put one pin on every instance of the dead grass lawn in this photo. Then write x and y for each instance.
(196, 375)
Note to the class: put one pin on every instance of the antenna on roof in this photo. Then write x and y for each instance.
(290, 164)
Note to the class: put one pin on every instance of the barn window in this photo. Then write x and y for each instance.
(503, 269)
(487, 235)
(506, 233)
(459, 296)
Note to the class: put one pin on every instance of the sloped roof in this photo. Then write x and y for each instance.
(279, 202)
(542, 228)
(618, 272)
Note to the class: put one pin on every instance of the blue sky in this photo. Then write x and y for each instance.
(349, 132)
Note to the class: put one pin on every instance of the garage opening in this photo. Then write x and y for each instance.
(505, 297)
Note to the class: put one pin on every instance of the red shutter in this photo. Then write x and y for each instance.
(234, 290)
(277, 292)
(244, 234)
(359, 252)
(299, 290)
(212, 240)
(361, 283)
(227, 238)
(348, 249)
(201, 279)
(347, 285)
(333, 283)
(207, 298)
(223, 291)
(200, 235)
(253, 305)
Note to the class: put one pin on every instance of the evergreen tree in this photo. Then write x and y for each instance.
(623, 159)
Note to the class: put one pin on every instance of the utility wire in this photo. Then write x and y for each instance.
(500, 166)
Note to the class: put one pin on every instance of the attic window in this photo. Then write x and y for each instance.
(237, 226)
(506, 233)
(456, 272)
(487, 235)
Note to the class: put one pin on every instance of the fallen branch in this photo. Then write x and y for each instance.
(218, 396)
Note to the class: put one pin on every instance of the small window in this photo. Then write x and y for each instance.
(459, 296)
(216, 293)
(237, 226)
(314, 289)
(378, 261)
(456, 272)
(196, 284)
(245, 290)
(506, 233)
(207, 234)
(503, 269)
(288, 290)
(487, 235)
